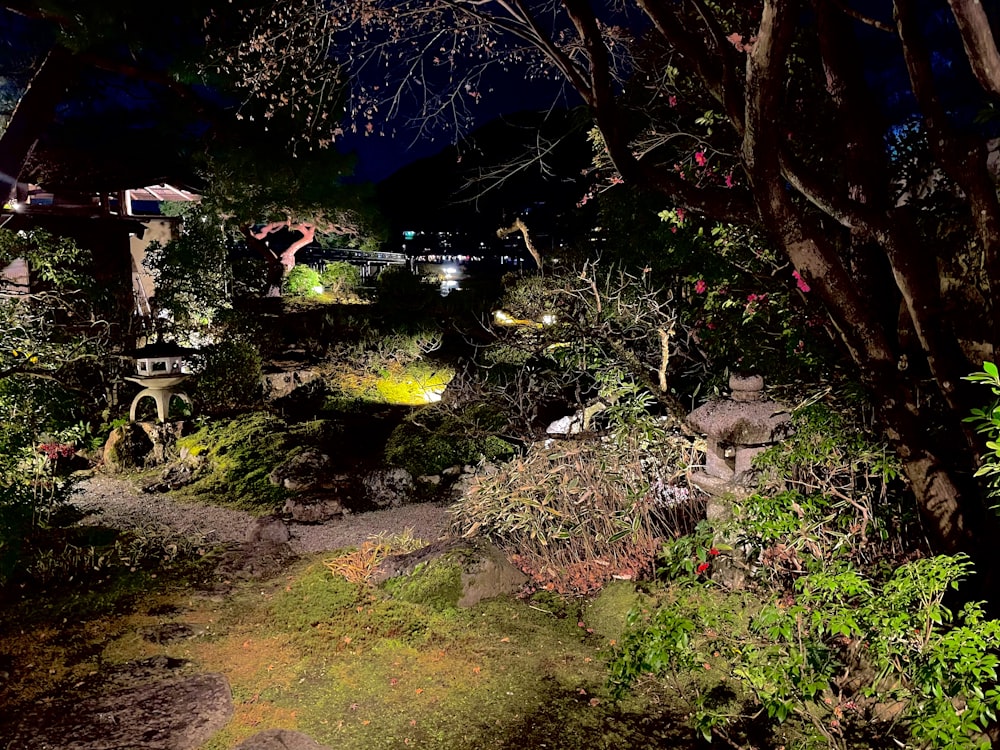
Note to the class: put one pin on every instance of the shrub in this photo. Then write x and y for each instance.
(575, 515)
(228, 376)
(341, 279)
(402, 293)
(843, 637)
(845, 660)
(435, 438)
(302, 281)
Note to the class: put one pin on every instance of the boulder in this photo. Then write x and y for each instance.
(165, 714)
(268, 530)
(127, 448)
(278, 385)
(485, 571)
(389, 488)
(313, 508)
(308, 470)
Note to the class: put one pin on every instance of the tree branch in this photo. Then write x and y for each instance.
(977, 38)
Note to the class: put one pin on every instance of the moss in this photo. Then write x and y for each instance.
(436, 585)
(608, 611)
(316, 596)
(239, 456)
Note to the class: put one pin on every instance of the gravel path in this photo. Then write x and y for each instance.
(117, 503)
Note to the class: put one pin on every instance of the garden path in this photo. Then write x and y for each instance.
(119, 503)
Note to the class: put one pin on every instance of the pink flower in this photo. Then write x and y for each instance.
(800, 282)
(700, 286)
(729, 180)
(681, 213)
(672, 101)
(699, 158)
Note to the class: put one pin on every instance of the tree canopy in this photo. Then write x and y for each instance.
(774, 114)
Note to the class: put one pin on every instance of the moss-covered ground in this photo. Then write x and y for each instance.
(358, 666)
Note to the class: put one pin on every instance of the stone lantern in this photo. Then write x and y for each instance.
(160, 369)
(737, 429)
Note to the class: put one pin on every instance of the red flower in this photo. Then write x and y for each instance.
(700, 286)
(800, 282)
(713, 552)
(699, 158)
(703, 567)
(672, 101)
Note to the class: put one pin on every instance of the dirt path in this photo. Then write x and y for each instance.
(118, 503)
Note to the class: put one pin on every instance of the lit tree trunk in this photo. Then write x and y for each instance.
(520, 226)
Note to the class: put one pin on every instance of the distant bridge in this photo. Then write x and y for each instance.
(370, 263)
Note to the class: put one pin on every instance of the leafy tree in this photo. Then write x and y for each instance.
(757, 113)
(107, 88)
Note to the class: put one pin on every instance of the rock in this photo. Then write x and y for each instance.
(126, 449)
(268, 530)
(280, 739)
(173, 477)
(489, 574)
(308, 470)
(486, 572)
(254, 562)
(388, 488)
(278, 385)
(431, 479)
(570, 425)
(164, 437)
(171, 714)
(313, 509)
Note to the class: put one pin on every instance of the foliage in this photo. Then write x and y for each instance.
(51, 344)
(987, 422)
(401, 293)
(389, 365)
(437, 437)
(228, 375)
(844, 635)
(236, 458)
(358, 566)
(193, 274)
(577, 514)
(29, 494)
(604, 342)
(340, 278)
(844, 658)
(302, 281)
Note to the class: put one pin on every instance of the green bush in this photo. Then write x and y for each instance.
(340, 278)
(844, 660)
(841, 635)
(228, 376)
(434, 439)
(401, 292)
(302, 281)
